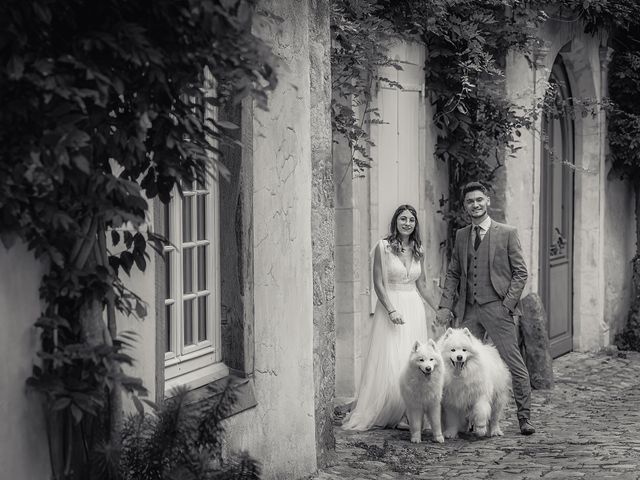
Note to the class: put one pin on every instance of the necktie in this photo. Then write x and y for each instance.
(477, 240)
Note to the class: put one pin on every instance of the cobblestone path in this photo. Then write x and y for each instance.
(588, 427)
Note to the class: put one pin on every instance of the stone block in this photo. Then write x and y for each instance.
(346, 226)
(535, 342)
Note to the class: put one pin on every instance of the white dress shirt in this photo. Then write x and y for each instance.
(484, 227)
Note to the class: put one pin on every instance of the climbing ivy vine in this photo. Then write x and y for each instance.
(466, 42)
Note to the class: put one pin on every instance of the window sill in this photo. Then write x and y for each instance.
(207, 394)
(206, 374)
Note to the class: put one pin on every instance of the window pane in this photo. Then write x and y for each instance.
(202, 185)
(202, 217)
(202, 318)
(202, 267)
(188, 322)
(167, 327)
(167, 275)
(187, 186)
(187, 224)
(187, 270)
(167, 220)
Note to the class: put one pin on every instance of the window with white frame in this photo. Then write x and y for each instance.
(192, 287)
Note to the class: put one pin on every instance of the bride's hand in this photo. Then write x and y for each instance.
(396, 318)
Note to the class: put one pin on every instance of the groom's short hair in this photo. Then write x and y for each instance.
(472, 187)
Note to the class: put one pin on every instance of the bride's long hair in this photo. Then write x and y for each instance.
(394, 236)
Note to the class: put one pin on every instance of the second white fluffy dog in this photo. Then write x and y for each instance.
(476, 388)
(421, 387)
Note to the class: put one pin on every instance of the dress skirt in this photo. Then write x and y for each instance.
(379, 402)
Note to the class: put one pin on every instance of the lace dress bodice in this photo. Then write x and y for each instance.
(398, 274)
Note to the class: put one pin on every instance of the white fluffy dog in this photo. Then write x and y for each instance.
(476, 385)
(421, 386)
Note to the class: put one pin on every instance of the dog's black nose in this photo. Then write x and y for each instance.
(428, 369)
(459, 357)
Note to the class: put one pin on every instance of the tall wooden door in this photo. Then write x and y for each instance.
(401, 136)
(400, 140)
(556, 222)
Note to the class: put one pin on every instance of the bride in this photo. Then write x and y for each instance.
(399, 320)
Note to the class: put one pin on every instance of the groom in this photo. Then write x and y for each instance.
(487, 275)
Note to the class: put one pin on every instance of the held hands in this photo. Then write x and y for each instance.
(443, 316)
(395, 317)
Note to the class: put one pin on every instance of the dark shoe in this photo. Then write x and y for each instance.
(525, 427)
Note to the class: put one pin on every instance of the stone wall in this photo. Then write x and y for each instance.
(322, 227)
(280, 430)
(619, 250)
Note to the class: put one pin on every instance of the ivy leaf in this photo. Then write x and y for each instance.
(138, 404)
(81, 163)
(43, 12)
(145, 122)
(139, 242)
(141, 309)
(61, 403)
(56, 256)
(77, 139)
(15, 67)
(115, 237)
(141, 263)
(114, 262)
(128, 238)
(126, 261)
(76, 413)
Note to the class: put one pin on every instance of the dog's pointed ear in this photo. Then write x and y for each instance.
(416, 346)
(447, 333)
(466, 331)
(432, 343)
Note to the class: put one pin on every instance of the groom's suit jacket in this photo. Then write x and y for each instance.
(508, 271)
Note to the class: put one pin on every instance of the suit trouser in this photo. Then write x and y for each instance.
(494, 319)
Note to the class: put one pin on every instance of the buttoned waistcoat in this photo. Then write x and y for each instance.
(506, 265)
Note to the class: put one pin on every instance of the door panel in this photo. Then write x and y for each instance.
(398, 146)
(559, 302)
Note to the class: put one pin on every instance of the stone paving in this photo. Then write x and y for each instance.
(587, 427)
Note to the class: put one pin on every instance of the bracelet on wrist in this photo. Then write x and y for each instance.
(390, 312)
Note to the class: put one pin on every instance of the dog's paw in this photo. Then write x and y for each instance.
(480, 431)
(451, 435)
(415, 439)
(497, 432)
(438, 438)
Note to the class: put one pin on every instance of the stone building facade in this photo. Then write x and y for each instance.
(576, 224)
(295, 228)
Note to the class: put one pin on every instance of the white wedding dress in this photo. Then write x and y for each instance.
(379, 402)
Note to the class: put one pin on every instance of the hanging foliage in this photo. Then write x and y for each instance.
(465, 46)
